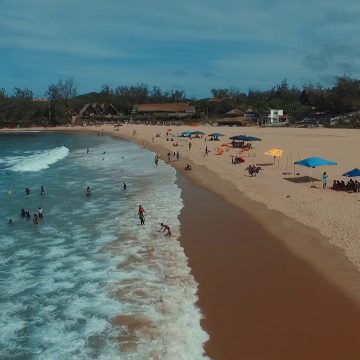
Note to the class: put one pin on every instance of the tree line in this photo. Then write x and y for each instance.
(62, 100)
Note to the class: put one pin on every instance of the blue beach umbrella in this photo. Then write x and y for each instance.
(197, 132)
(244, 138)
(314, 162)
(352, 173)
(216, 135)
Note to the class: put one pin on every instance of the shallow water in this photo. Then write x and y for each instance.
(89, 281)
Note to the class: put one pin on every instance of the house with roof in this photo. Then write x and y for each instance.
(166, 110)
(97, 109)
(275, 117)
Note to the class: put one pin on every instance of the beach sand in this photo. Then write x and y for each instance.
(272, 285)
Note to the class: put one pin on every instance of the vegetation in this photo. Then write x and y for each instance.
(21, 108)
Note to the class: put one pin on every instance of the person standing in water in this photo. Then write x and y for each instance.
(124, 186)
(88, 192)
(141, 214)
(41, 212)
(27, 191)
(87, 150)
(42, 191)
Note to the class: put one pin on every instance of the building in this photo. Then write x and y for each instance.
(98, 109)
(167, 110)
(275, 117)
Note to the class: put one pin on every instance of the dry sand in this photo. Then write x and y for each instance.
(260, 300)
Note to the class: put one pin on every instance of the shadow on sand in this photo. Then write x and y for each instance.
(301, 179)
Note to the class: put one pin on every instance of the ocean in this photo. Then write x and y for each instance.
(89, 282)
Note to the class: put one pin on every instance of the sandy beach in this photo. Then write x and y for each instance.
(277, 262)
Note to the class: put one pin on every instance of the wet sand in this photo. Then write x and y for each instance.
(259, 301)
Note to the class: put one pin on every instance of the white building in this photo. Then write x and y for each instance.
(275, 115)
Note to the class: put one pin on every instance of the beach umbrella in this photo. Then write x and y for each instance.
(186, 133)
(314, 162)
(197, 132)
(353, 173)
(216, 135)
(244, 138)
(275, 153)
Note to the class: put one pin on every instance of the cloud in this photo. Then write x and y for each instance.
(194, 44)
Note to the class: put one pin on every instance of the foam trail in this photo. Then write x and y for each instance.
(39, 160)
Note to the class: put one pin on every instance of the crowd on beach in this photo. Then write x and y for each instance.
(349, 186)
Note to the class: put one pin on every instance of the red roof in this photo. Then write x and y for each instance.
(170, 107)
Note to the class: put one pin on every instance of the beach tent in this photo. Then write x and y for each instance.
(353, 173)
(314, 162)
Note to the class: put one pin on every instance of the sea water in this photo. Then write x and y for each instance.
(89, 282)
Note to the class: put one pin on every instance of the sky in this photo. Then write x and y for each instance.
(191, 45)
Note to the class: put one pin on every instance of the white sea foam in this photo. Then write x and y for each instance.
(36, 161)
(75, 275)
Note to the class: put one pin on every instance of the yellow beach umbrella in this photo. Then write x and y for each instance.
(275, 152)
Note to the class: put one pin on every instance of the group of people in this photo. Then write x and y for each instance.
(175, 156)
(253, 169)
(36, 218)
(349, 186)
(164, 228)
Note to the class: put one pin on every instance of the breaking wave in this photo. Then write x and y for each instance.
(38, 160)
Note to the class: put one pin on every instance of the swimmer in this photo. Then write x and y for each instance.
(35, 220)
(165, 228)
(10, 221)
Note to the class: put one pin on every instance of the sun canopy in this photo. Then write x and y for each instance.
(197, 132)
(352, 173)
(186, 133)
(244, 138)
(314, 162)
(216, 135)
(275, 152)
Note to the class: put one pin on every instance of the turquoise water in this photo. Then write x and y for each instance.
(89, 282)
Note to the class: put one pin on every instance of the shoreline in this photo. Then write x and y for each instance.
(320, 258)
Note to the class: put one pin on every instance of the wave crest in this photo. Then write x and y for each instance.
(39, 160)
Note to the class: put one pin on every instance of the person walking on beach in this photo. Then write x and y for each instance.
(42, 191)
(165, 228)
(206, 151)
(156, 160)
(324, 179)
(177, 156)
(190, 145)
(141, 214)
